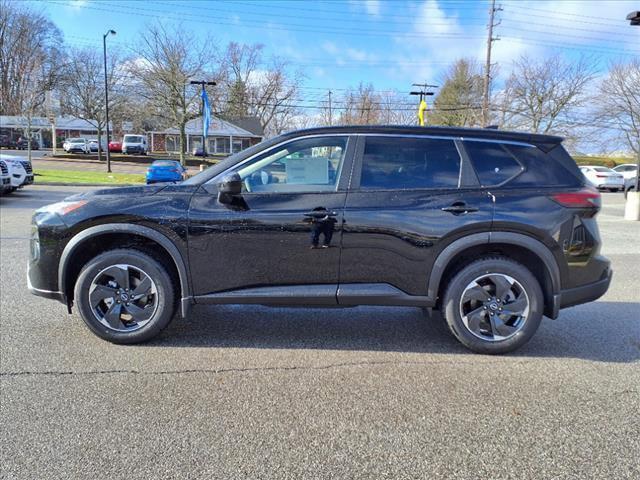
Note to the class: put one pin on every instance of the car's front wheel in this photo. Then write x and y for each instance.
(125, 296)
(493, 305)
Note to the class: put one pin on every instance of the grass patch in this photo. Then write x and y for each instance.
(84, 176)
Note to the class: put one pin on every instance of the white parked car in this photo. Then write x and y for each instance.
(93, 144)
(5, 178)
(76, 145)
(20, 170)
(135, 144)
(627, 170)
(603, 178)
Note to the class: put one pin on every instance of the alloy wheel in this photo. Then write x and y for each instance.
(494, 307)
(123, 297)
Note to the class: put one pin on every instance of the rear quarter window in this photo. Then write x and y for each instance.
(541, 169)
(493, 164)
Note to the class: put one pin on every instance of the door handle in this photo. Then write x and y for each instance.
(459, 208)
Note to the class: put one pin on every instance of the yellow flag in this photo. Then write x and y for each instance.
(421, 110)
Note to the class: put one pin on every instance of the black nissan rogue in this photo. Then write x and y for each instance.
(493, 228)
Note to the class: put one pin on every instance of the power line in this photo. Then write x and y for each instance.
(358, 32)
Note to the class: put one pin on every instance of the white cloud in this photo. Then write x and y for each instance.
(77, 4)
(330, 47)
(372, 7)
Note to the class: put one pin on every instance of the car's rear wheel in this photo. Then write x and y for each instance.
(125, 296)
(493, 305)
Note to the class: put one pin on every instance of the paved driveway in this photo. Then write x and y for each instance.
(253, 392)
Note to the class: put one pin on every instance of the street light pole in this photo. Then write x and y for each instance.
(632, 207)
(106, 95)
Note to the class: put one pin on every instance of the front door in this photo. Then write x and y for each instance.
(410, 197)
(282, 236)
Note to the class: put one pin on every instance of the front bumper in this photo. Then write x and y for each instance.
(44, 293)
(133, 149)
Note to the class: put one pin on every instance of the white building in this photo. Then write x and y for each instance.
(223, 137)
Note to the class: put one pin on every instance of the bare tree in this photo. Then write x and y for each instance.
(361, 106)
(83, 88)
(166, 60)
(254, 87)
(397, 108)
(30, 54)
(543, 96)
(618, 102)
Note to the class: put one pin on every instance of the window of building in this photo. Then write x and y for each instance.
(409, 163)
(172, 143)
(222, 145)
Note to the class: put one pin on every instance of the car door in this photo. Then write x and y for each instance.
(280, 240)
(410, 197)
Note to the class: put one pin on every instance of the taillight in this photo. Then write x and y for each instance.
(602, 176)
(588, 197)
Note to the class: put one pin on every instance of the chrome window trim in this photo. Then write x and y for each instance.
(444, 137)
(216, 179)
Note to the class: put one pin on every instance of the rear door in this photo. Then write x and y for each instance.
(410, 197)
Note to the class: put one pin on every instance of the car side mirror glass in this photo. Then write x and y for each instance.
(230, 187)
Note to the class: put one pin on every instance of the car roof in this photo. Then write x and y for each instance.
(485, 133)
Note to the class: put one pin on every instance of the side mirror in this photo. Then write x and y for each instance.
(230, 187)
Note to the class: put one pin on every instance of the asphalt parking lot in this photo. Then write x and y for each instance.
(253, 392)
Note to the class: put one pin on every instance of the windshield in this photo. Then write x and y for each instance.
(133, 139)
(602, 169)
(76, 140)
(165, 163)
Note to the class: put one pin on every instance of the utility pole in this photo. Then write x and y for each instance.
(487, 71)
(330, 113)
(423, 92)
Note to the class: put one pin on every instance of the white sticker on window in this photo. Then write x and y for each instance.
(308, 171)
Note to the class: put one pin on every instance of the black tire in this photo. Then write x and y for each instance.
(486, 343)
(164, 296)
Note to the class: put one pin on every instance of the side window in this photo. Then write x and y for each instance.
(494, 165)
(541, 169)
(306, 165)
(409, 163)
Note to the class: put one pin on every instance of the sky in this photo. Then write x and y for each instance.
(337, 44)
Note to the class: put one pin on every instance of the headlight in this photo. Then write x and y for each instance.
(62, 208)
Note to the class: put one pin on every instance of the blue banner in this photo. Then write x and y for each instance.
(206, 113)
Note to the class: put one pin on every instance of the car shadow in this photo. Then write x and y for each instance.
(600, 331)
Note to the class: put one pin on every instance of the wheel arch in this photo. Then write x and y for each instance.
(80, 241)
(525, 249)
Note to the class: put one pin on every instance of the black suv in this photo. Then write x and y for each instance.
(493, 228)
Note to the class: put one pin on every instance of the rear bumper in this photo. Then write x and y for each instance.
(585, 293)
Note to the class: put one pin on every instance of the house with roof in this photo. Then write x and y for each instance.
(224, 137)
(41, 127)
